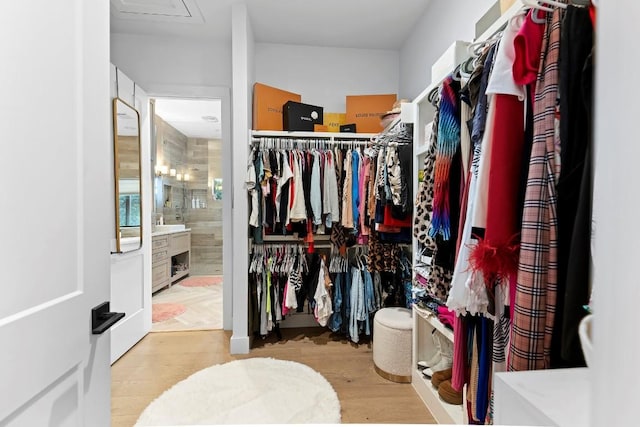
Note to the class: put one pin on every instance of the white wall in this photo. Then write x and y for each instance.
(325, 76)
(153, 60)
(443, 22)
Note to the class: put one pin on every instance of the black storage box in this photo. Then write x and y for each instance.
(298, 116)
(351, 128)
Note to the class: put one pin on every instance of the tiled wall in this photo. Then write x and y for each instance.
(191, 202)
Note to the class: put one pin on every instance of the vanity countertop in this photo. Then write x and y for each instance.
(163, 232)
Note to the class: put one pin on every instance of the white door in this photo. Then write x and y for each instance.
(131, 271)
(54, 227)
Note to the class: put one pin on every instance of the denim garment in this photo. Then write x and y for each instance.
(377, 289)
(262, 291)
(357, 303)
(346, 306)
(369, 301)
(336, 318)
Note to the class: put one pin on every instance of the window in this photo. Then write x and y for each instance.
(129, 210)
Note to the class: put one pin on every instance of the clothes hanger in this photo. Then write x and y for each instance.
(537, 5)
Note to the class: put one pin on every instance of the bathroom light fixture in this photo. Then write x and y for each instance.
(172, 172)
(161, 170)
(179, 177)
(186, 177)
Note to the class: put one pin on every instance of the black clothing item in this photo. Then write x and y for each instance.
(574, 186)
(405, 157)
(306, 182)
(309, 283)
(254, 306)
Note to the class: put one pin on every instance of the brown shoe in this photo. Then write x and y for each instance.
(440, 376)
(448, 394)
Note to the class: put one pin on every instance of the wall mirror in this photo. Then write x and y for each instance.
(127, 166)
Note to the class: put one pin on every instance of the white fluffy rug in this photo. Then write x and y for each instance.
(249, 391)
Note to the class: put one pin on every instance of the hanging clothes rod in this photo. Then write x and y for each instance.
(310, 141)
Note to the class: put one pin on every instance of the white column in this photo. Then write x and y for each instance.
(240, 65)
(616, 378)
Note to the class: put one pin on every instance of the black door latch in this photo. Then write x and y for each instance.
(102, 319)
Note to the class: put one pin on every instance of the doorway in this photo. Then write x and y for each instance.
(187, 147)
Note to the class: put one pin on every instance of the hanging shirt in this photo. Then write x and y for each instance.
(322, 310)
(253, 192)
(347, 200)
(331, 202)
(364, 184)
(298, 210)
(394, 174)
(315, 192)
(285, 175)
(355, 186)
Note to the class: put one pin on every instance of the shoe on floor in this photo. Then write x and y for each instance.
(438, 377)
(427, 373)
(448, 394)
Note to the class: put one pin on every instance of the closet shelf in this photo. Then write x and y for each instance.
(443, 412)
(434, 321)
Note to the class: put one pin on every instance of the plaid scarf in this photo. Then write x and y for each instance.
(448, 145)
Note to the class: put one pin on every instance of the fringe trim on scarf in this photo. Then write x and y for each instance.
(495, 260)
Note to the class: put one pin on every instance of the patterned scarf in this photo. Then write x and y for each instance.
(448, 144)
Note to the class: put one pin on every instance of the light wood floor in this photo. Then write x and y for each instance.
(162, 359)
(203, 303)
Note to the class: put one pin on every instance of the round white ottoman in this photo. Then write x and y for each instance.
(392, 343)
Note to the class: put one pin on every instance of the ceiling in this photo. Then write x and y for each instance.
(193, 118)
(361, 24)
(364, 24)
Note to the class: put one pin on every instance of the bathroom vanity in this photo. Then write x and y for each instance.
(171, 249)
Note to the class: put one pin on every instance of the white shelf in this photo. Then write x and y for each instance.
(421, 149)
(433, 320)
(322, 135)
(443, 412)
(550, 397)
(424, 321)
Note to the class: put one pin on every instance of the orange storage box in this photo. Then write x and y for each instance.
(267, 106)
(366, 110)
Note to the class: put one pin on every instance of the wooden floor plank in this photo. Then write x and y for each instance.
(162, 359)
